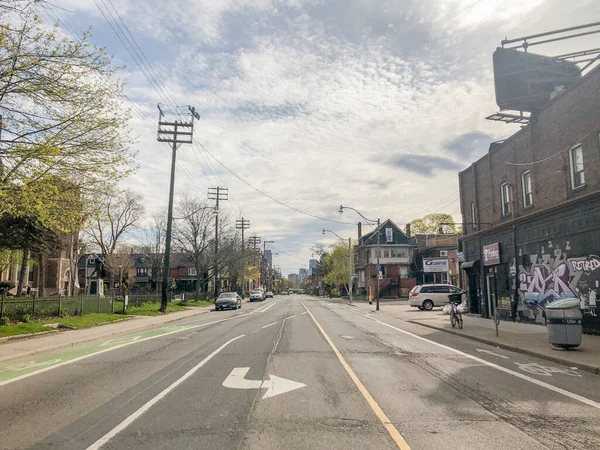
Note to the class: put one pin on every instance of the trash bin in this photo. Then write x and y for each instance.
(564, 323)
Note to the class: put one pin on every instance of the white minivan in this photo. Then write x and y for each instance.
(427, 296)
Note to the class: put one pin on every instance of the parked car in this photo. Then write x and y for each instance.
(428, 296)
(269, 294)
(228, 300)
(257, 295)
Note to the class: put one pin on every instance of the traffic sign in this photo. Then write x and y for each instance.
(378, 267)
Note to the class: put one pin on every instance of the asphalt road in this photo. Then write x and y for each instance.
(302, 373)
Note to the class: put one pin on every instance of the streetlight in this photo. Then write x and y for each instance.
(378, 247)
(349, 261)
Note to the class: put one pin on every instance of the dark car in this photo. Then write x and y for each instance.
(229, 300)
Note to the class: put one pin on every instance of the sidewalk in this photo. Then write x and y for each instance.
(524, 338)
(18, 348)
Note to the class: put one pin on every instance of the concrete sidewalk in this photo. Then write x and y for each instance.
(524, 338)
(19, 348)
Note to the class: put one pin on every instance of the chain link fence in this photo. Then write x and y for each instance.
(18, 308)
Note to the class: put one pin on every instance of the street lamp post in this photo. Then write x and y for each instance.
(265, 256)
(378, 248)
(349, 261)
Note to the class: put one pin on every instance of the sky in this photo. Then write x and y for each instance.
(371, 104)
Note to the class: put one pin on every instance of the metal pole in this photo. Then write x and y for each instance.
(243, 261)
(350, 268)
(378, 252)
(217, 245)
(164, 300)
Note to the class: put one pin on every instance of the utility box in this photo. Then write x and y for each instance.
(564, 323)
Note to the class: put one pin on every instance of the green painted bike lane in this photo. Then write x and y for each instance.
(13, 370)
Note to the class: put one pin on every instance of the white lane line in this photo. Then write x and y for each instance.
(186, 328)
(551, 387)
(289, 317)
(129, 420)
(270, 325)
(270, 306)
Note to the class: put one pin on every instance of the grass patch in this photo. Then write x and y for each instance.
(200, 303)
(22, 328)
(85, 321)
(36, 326)
(146, 309)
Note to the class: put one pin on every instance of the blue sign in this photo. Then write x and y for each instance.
(378, 267)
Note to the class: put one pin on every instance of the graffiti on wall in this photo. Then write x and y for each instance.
(553, 275)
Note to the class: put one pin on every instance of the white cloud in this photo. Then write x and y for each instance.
(310, 100)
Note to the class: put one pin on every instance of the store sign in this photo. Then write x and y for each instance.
(435, 265)
(491, 254)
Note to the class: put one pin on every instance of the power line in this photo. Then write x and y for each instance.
(267, 195)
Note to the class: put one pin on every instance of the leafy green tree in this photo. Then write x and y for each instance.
(431, 223)
(337, 266)
(62, 116)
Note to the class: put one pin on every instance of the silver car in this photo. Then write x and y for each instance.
(228, 300)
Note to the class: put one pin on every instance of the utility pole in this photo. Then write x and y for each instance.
(350, 268)
(217, 194)
(378, 255)
(242, 224)
(254, 242)
(174, 133)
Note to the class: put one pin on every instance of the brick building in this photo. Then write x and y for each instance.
(437, 248)
(536, 196)
(395, 260)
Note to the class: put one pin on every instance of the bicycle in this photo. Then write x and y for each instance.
(455, 316)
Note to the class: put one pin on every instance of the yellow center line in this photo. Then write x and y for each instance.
(387, 423)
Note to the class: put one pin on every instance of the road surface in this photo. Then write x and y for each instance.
(296, 372)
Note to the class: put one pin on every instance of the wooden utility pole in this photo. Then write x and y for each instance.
(242, 224)
(217, 194)
(174, 133)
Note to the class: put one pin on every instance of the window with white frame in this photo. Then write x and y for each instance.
(527, 190)
(386, 253)
(192, 271)
(399, 253)
(403, 272)
(576, 163)
(473, 215)
(142, 272)
(505, 196)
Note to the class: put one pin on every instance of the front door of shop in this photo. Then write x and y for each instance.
(491, 294)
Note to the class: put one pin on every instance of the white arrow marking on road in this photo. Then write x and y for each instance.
(491, 353)
(274, 386)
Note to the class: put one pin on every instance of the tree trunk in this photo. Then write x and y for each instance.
(22, 271)
(198, 282)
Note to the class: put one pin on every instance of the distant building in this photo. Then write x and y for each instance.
(293, 277)
(312, 265)
(302, 275)
(269, 258)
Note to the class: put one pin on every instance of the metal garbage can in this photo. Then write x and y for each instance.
(564, 323)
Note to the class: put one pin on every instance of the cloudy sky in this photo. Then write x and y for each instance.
(373, 104)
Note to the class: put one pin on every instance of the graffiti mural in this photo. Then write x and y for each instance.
(553, 275)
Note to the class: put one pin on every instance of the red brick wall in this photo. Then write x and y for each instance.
(572, 117)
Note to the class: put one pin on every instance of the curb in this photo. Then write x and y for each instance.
(562, 361)
(17, 337)
(202, 310)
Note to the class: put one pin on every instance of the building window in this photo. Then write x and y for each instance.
(505, 195)
(30, 276)
(576, 160)
(386, 253)
(527, 191)
(192, 271)
(404, 272)
(473, 215)
(142, 271)
(389, 235)
(399, 253)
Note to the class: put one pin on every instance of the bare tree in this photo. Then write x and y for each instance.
(193, 233)
(115, 215)
(119, 263)
(153, 247)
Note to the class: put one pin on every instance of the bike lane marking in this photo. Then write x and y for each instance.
(543, 384)
(18, 369)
